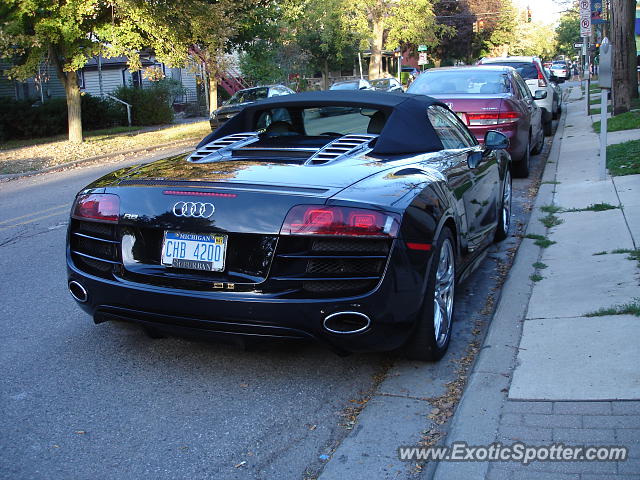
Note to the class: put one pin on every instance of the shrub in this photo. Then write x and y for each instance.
(152, 105)
(31, 119)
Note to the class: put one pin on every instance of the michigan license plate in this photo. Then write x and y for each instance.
(195, 251)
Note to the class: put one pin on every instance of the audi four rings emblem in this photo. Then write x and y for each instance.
(193, 209)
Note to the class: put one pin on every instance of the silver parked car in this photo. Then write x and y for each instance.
(387, 85)
(244, 97)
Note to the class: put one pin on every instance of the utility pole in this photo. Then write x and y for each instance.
(624, 53)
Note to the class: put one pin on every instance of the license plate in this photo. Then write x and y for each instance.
(195, 251)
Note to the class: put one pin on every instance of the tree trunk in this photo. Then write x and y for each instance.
(623, 43)
(375, 62)
(325, 75)
(213, 93)
(74, 107)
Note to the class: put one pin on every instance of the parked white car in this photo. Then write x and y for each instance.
(531, 70)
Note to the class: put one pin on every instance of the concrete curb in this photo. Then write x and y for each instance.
(75, 163)
(477, 416)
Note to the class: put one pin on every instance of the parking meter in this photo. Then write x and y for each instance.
(604, 73)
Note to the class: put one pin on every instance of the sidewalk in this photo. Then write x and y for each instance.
(548, 373)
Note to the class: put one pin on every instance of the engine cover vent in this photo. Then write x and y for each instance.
(341, 147)
(219, 147)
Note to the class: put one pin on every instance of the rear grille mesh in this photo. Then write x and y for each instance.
(329, 266)
(95, 248)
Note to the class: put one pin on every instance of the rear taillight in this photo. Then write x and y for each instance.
(541, 80)
(321, 220)
(97, 206)
(496, 118)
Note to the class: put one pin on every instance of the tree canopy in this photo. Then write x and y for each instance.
(568, 32)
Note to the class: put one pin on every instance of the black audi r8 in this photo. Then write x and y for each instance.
(352, 230)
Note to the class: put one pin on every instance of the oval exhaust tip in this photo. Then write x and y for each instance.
(346, 322)
(78, 292)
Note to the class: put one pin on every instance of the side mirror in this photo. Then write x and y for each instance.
(474, 158)
(494, 140)
(540, 94)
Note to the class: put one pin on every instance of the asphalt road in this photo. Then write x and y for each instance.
(84, 401)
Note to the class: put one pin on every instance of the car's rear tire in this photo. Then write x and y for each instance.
(539, 146)
(555, 109)
(520, 169)
(432, 334)
(504, 213)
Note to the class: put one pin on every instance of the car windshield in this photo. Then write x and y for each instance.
(380, 84)
(345, 86)
(249, 95)
(463, 81)
(527, 70)
(329, 120)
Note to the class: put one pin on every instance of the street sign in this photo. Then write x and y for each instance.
(422, 58)
(585, 18)
(422, 48)
(577, 45)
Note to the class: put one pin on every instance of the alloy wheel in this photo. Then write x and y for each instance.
(444, 293)
(506, 202)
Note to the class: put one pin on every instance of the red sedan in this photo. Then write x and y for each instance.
(490, 98)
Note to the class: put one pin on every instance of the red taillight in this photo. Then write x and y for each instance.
(319, 220)
(425, 247)
(492, 118)
(541, 81)
(97, 206)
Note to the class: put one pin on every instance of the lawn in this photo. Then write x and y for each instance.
(596, 110)
(624, 158)
(21, 157)
(624, 121)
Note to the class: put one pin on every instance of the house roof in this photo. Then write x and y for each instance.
(115, 62)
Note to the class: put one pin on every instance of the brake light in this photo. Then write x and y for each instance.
(320, 220)
(97, 206)
(541, 81)
(496, 118)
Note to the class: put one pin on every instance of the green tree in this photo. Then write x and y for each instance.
(67, 33)
(201, 29)
(392, 24)
(321, 31)
(498, 27)
(568, 32)
(534, 39)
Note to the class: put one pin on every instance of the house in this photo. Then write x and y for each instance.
(98, 77)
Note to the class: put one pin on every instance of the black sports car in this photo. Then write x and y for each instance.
(352, 230)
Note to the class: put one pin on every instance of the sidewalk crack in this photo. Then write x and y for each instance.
(624, 215)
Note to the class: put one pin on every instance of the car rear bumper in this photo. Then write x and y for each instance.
(392, 313)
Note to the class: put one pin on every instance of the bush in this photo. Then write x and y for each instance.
(150, 106)
(21, 119)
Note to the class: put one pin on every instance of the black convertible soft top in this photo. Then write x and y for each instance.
(407, 129)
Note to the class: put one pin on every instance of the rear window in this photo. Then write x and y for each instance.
(328, 120)
(250, 95)
(464, 81)
(345, 86)
(528, 71)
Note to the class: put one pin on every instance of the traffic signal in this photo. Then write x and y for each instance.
(528, 15)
